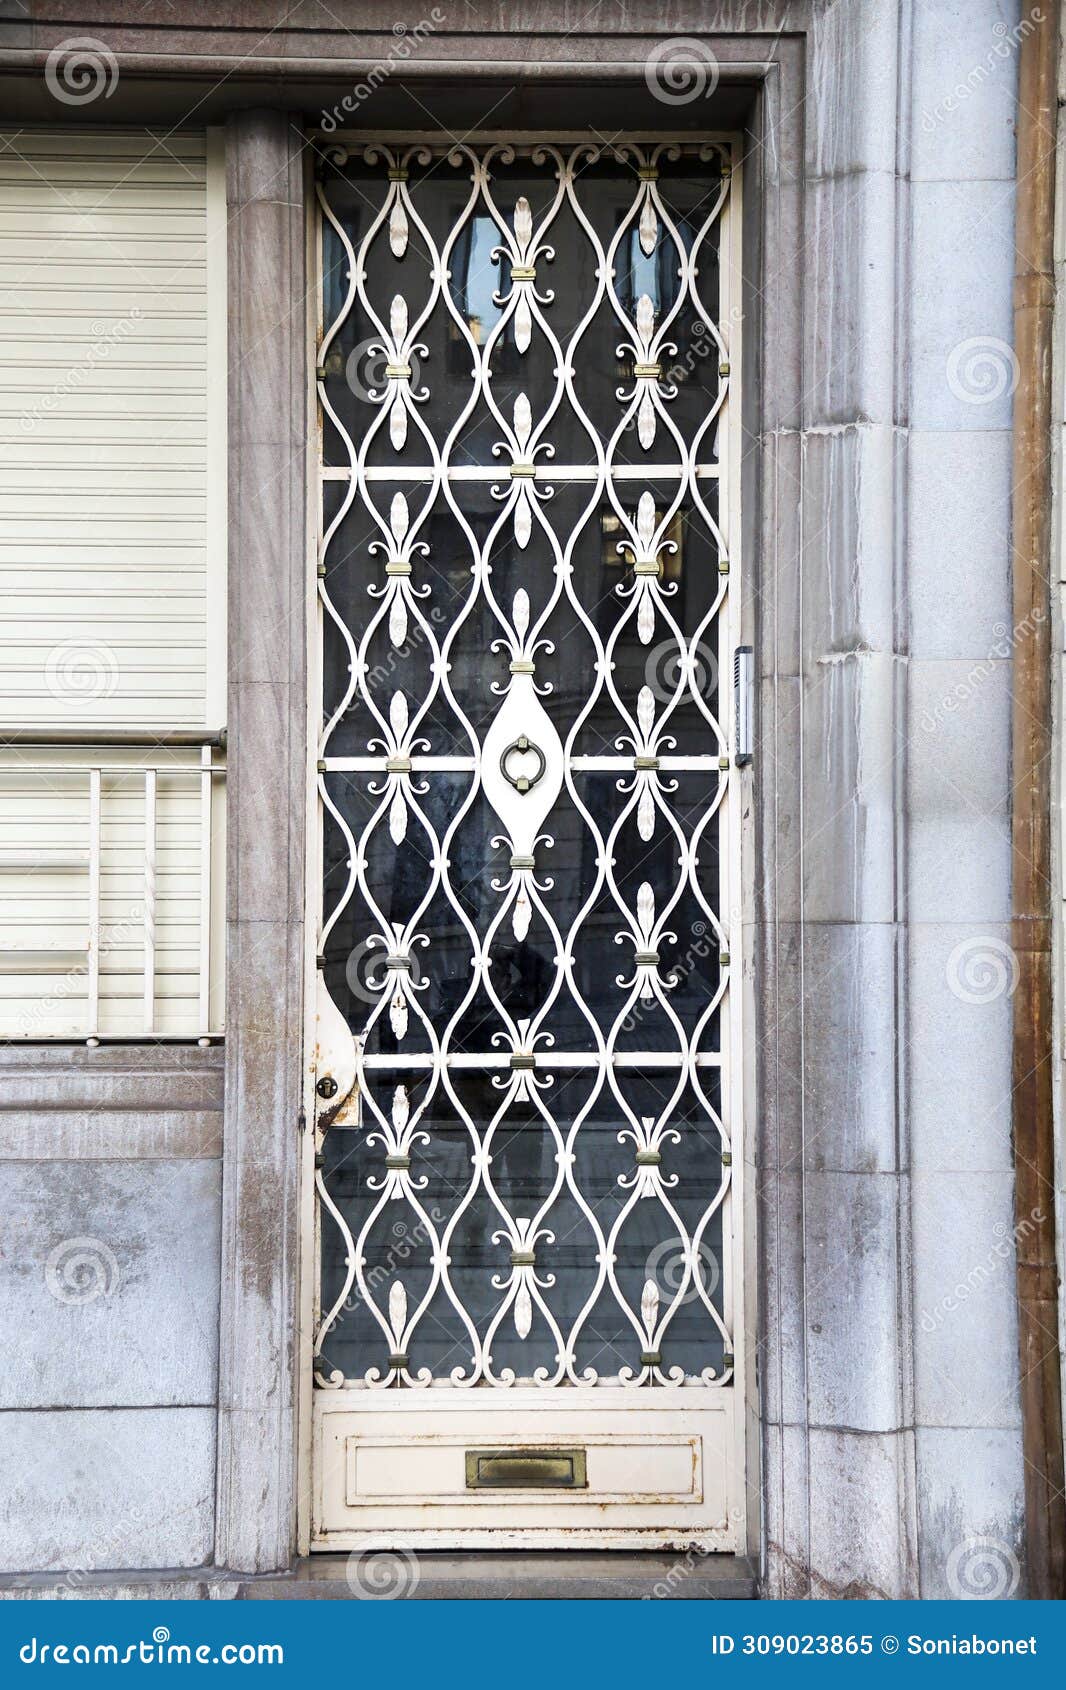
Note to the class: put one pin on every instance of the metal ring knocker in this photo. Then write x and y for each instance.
(522, 783)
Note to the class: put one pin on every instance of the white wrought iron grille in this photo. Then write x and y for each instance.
(524, 766)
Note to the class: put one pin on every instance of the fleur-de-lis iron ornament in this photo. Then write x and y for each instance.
(523, 231)
(398, 720)
(399, 228)
(646, 372)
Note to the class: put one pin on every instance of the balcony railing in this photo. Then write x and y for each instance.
(111, 854)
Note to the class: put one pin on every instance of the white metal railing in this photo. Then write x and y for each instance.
(84, 961)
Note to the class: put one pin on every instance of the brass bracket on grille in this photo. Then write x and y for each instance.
(646, 959)
(523, 1259)
(523, 272)
(647, 763)
(523, 1059)
(398, 372)
(647, 372)
(647, 566)
(650, 1358)
(526, 1469)
(398, 765)
(398, 566)
(523, 471)
(648, 1158)
(398, 1162)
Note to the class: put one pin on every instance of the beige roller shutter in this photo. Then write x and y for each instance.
(112, 578)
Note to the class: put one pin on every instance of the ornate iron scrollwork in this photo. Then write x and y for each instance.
(579, 734)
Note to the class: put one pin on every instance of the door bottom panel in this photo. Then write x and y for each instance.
(602, 1469)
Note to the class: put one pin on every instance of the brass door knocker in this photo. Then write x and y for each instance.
(522, 783)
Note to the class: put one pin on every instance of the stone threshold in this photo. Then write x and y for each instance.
(441, 1576)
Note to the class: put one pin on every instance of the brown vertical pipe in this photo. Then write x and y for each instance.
(1035, 1044)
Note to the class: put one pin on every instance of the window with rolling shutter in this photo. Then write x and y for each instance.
(112, 580)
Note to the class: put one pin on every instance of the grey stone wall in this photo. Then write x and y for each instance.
(960, 225)
(110, 1177)
(893, 1454)
(267, 788)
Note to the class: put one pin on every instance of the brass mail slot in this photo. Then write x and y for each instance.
(525, 1469)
